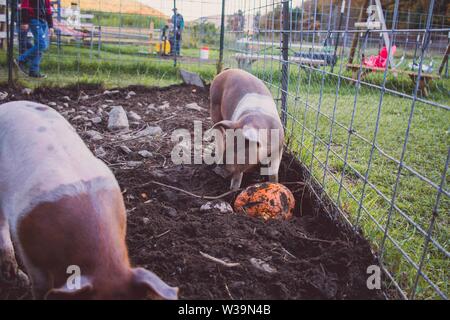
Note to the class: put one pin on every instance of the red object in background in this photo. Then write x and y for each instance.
(380, 60)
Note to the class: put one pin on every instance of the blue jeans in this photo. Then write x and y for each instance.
(39, 29)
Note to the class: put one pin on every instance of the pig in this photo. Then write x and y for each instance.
(63, 210)
(239, 100)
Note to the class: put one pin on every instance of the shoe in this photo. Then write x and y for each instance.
(21, 66)
(37, 75)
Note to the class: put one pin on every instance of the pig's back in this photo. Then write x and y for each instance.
(40, 152)
(238, 84)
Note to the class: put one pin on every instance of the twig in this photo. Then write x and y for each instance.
(287, 252)
(228, 291)
(168, 118)
(187, 192)
(162, 234)
(220, 261)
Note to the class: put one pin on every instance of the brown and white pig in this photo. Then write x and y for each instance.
(239, 100)
(63, 207)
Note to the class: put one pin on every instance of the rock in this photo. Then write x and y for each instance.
(27, 91)
(100, 152)
(164, 106)
(107, 92)
(76, 118)
(90, 111)
(118, 119)
(158, 173)
(217, 205)
(94, 135)
(130, 94)
(150, 131)
(66, 105)
(71, 110)
(109, 101)
(139, 105)
(262, 265)
(146, 220)
(84, 96)
(171, 211)
(134, 116)
(195, 106)
(51, 104)
(96, 120)
(145, 154)
(66, 98)
(134, 164)
(3, 95)
(125, 149)
(82, 112)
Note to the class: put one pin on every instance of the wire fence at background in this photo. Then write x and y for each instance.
(374, 138)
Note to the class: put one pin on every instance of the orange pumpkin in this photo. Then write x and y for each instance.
(267, 201)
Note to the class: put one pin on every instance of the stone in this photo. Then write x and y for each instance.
(27, 91)
(194, 106)
(150, 131)
(66, 98)
(3, 95)
(94, 135)
(146, 220)
(125, 149)
(145, 154)
(96, 120)
(118, 119)
(217, 206)
(134, 164)
(262, 265)
(100, 152)
(51, 104)
(134, 116)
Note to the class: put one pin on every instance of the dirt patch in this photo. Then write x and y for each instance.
(312, 256)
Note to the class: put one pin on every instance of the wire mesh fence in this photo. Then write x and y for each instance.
(374, 136)
(362, 88)
(122, 42)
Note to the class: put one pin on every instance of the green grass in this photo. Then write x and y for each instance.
(114, 66)
(110, 19)
(426, 151)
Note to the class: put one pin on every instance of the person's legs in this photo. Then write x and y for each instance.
(42, 46)
(39, 30)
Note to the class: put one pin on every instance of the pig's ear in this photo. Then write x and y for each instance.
(251, 134)
(224, 124)
(64, 293)
(149, 284)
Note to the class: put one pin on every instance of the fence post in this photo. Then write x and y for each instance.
(222, 38)
(285, 62)
(10, 19)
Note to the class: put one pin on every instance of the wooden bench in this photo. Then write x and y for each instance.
(425, 78)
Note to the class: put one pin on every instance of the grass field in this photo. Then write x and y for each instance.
(346, 156)
(313, 109)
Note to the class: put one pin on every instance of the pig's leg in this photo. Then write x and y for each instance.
(40, 283)
(9, 270)
(275, 167)
(236, 180)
